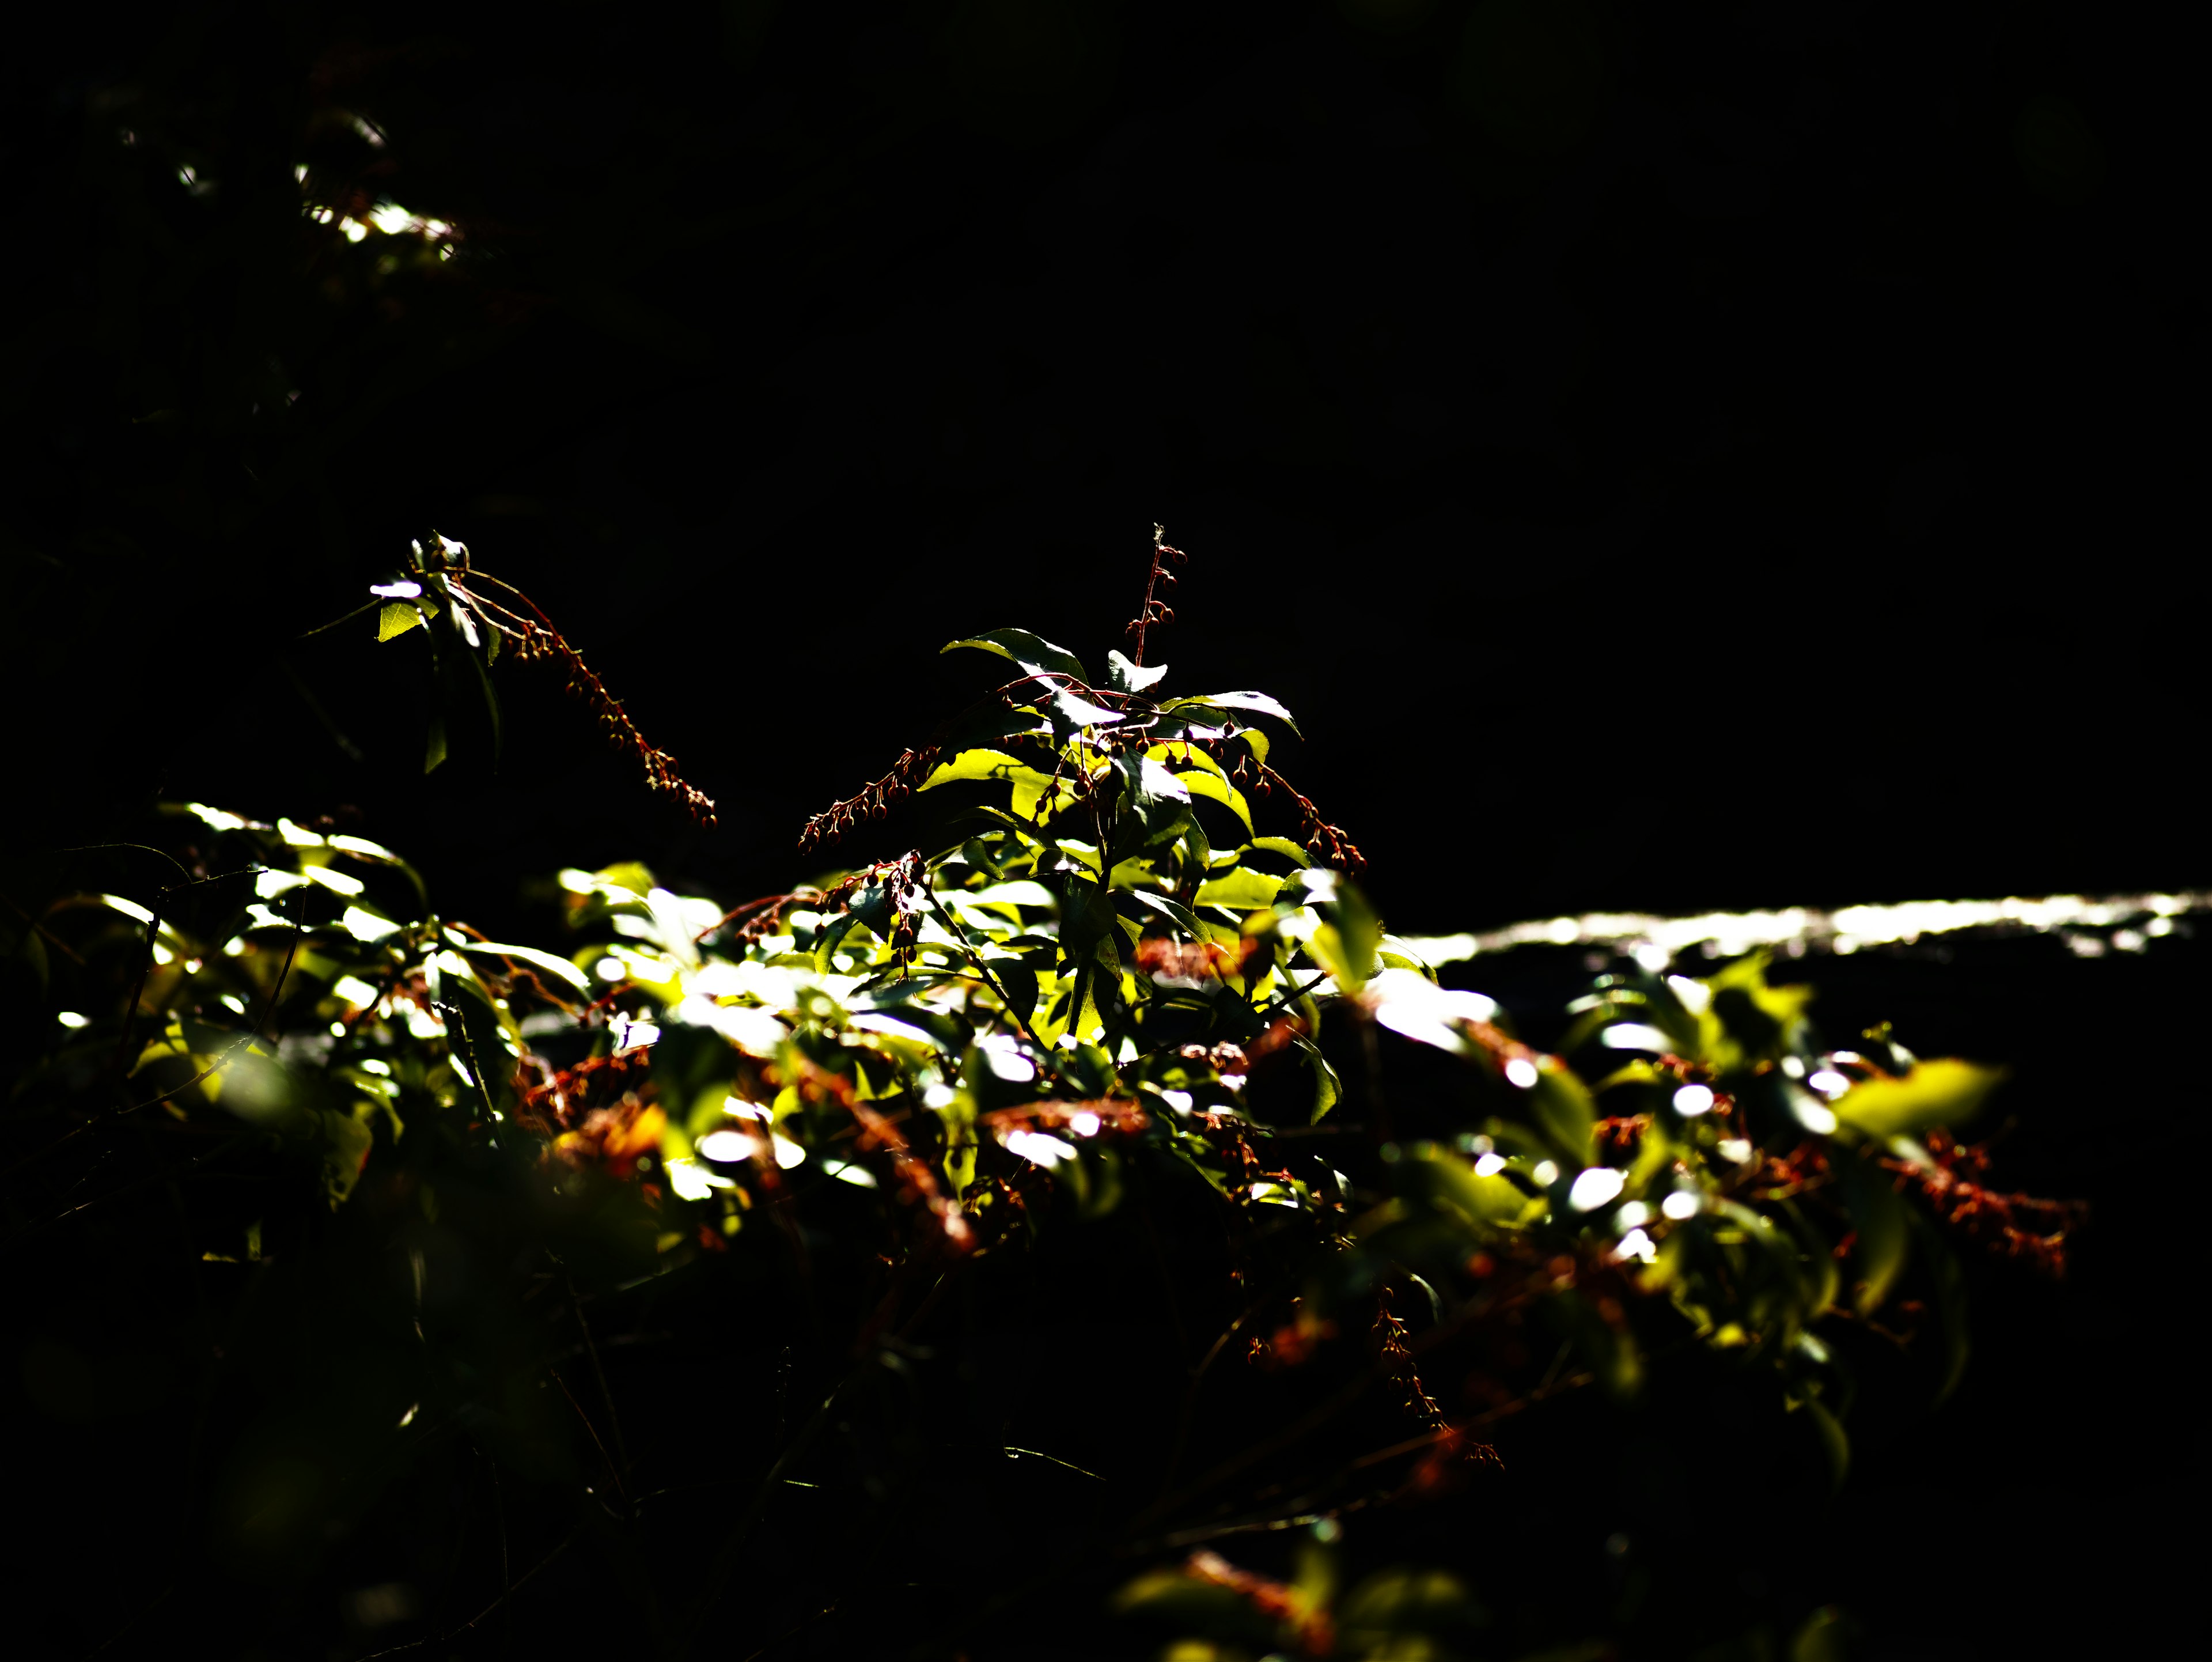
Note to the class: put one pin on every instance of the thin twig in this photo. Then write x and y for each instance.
(614, 1417)
(726, 1560)
(447, 1638)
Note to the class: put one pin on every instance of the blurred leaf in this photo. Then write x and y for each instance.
(1402, 1600)
(1835, 1443)
(1563, 1109)
(1946, 1091)
(434, 748)
(1879, 1221)
(560, 968)
(1948, 1284)
(1749, 1020)
(1824, 1637)
(1243, 890)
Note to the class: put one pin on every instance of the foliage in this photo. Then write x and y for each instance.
(849, 1140)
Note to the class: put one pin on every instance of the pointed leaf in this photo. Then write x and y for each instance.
(1946, 1091)
(1259, 702)
(560, 968)
(1882, 1229)
(396, 617)
(1035, 655)
(1081, 712)
(1242, 888)
(1126, 677)
(1328, 1089)
(1219, 789)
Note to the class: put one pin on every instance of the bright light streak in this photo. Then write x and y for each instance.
(1521, 1073)
(1654, 940)
(1692, 1100)
(1682, 1204)
(1490, 1165)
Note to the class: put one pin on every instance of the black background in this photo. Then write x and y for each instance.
(1668, 456)
(1724, 456)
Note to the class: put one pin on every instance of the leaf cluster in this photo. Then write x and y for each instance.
(836, 1104)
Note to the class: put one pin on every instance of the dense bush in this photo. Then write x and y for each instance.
(931, 1259)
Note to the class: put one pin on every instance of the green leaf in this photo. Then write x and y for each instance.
(1883, 1232)
(1177, 914)
(1259, 702)
(1242, 889)
(560, 968)
(1328, 1089)
(491, 702)
(1214, 786)
(1281, 845)
(1945, 1092)
(1948, 1283)
(1563, 1109)
(1036, 656)
(1747, 1020)
(1125, 677)
(396, 617)
(984, 765)
(1081, 712)
(1835, 1444)
(434, 748)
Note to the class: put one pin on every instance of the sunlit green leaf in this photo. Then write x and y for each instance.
(1944, 1091)
(1124, 676)
(1242, 889)
(1217, 788)
(1258, 702)
(560, 968)
(396, 617)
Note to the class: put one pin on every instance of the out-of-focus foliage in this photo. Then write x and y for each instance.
(813, 1125)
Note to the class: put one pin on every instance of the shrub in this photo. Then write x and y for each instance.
(928, 1252)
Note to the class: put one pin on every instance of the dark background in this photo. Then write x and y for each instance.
(1714, 454)
(1668, 457)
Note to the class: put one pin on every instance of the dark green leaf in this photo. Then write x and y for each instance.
(1033, 655)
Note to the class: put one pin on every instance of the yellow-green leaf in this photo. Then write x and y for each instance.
(1213, 785)
(396, 617)
(1945, 1092)
(1242, 888)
